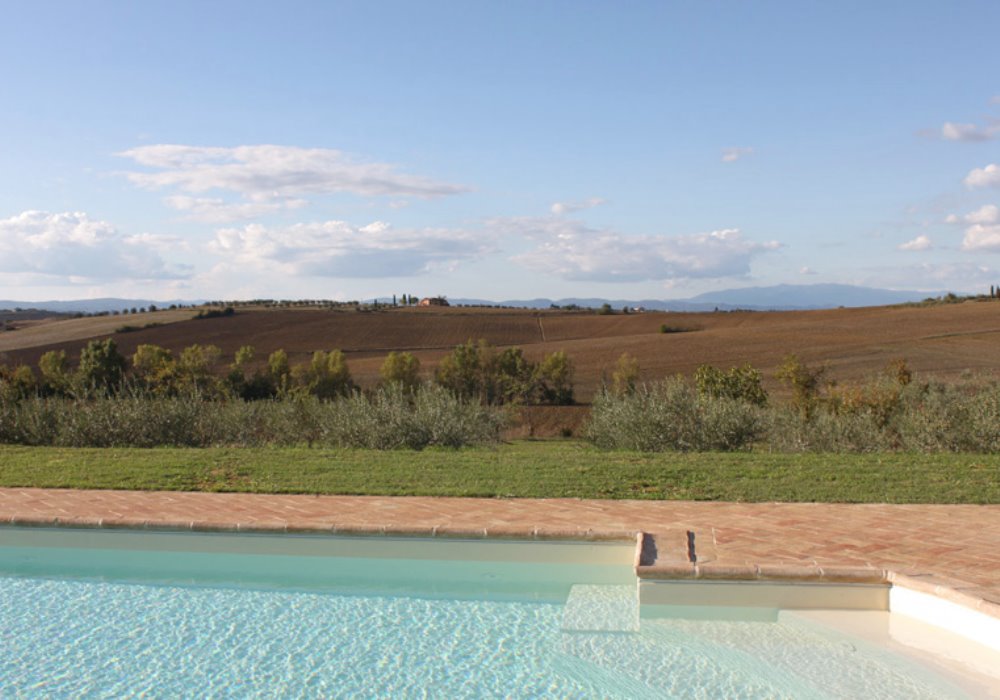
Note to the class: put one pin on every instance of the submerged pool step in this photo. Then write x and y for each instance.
(607, 608)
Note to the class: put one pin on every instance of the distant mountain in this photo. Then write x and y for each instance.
(810, 296)
(89, 306)
(777, 298)
(782, 297)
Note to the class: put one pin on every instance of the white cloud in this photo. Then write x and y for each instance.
(560, 208)
(75, 247)
(987, 214)
(984, 177)
(569, 250)
(339, 249)
(807, 271)
(952, 131)
(982, 237)
(731, 155)
(983, 230)
(269, 178)
(215, 210)
(921, 242)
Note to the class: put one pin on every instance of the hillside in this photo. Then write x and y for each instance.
(942, 340)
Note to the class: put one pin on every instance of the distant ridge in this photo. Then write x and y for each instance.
(89, 306)
(782, 297)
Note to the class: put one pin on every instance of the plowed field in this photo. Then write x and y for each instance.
(942, 340)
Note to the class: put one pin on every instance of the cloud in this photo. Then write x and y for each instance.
(215, 210)
(987, 214)
(983, 230)
(159, 242)
(73, 246)
(569, 250)
(982, 237)
(933, 277)
(560, 208)
(952, 131)
(921, 242)
(268, 178)
(807, 271)
(731, 155)
(984, 177)
(339, 249)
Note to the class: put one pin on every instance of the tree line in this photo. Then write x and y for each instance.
(472, 371)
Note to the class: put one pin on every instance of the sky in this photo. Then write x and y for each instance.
(504, 150)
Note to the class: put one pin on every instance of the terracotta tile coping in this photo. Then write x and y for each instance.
(743, 548)
(507, 533)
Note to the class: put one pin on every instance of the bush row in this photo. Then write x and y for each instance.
(383, 419)
(882, 415)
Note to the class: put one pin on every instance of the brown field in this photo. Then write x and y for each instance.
(48, 332)
(941, 340)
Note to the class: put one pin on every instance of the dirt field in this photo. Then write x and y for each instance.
(942, 340)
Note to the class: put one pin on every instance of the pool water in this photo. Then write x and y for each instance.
(107, 619)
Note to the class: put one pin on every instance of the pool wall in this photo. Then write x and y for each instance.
(777, 548)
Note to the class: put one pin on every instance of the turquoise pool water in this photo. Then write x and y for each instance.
(203, 616)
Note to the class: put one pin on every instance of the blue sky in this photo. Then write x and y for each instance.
(496, 150)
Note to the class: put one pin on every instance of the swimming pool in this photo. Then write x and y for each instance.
(116, 613)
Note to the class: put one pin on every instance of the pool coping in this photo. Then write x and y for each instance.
(678, 561)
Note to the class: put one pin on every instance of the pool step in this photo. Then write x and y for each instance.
(608, 608)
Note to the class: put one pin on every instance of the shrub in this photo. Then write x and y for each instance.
(670, 415)
(55, 371)
(326, 376)
(401, 368)
(789, 430)
(738, 383)
(625, 375)
(951, 418)
(389, 418)
(101, 367)
(459, 372)
(154, 369)
(804, 382)
(507, 377)
(212, 313)
(554, 379)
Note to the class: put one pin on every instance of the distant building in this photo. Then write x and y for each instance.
(433, 301)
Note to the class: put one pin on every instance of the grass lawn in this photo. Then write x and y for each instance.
(526, 469)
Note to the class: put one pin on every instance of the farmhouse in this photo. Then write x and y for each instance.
(433, 301)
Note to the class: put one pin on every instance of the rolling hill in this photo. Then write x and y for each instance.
(940, 339)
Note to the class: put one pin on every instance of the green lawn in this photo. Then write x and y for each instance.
(522, 469)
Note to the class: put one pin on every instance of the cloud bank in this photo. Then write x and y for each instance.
(339, 249)
(268, 178)
(558, 247)
(930, 276)
(569, 250)
(76, 247)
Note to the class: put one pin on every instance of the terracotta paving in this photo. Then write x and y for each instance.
(951, 550)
